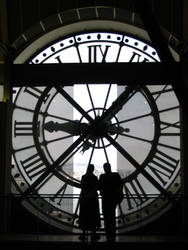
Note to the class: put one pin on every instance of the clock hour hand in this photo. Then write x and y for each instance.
(72, 127)
(113, 129)
(87, 145)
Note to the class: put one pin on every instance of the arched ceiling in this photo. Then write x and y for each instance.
(22, 14)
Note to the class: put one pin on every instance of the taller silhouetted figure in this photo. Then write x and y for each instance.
(110, 186)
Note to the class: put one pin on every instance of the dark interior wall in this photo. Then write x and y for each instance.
(22, 14)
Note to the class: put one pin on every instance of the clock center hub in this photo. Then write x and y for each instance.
(100, 128)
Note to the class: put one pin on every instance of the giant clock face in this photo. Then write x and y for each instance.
(59, 130)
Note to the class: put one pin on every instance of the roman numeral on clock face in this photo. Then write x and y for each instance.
(134, 193)
(94, 51)
(33, 166)
(162, 167)
(33, 91)
(24, 128)
(137, 58)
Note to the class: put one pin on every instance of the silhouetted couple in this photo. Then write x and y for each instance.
(110, 186)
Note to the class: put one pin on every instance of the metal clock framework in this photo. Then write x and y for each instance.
(58, 130)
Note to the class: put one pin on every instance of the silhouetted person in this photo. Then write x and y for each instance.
(89, 217)
(110, 183)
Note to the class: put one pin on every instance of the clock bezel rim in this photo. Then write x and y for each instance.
(17, 60)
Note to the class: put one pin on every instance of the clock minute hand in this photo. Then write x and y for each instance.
(72, 127)
(119, 102)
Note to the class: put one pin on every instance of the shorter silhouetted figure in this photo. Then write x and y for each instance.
(89, 217)
(110, 186)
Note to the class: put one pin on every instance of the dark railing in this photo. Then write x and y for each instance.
(16, 219)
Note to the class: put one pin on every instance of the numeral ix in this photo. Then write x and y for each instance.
(24, 128)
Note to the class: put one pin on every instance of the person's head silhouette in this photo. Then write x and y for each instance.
(107, 168)
(90, 168)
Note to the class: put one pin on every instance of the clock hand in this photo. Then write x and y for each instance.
(73, 127)
(87, 145)
(119, 102)
(113, 129)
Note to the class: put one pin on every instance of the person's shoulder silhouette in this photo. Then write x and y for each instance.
(109, 181)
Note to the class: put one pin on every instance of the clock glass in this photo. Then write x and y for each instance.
(58, 130)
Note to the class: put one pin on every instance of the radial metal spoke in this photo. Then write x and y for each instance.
(71, 155)
(98, 143)
(91, 100)
(169, 146)
(136, 138)
(123, 151)
(59, 139)
(44, 182)
(169, 109)
(92, 151)
(131, 119)
(74, 103)
(24, 148)
(51, 168)
(26, 109)
(60, 118)
(106, 155)
(159, 93)
(126, 155)
(107, 96)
